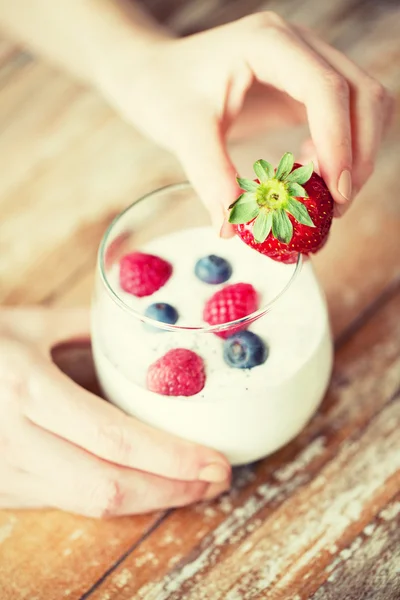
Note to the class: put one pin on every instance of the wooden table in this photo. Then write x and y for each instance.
(320, 518)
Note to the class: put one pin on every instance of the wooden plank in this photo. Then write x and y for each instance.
(48, 240)
(350, 266)
(63, 168)
(370, 567)
(49, 555)
(318, 492)
(56, 214)
(340, 407)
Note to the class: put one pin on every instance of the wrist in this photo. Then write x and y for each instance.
(119, 44)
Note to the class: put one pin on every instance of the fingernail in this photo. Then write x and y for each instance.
(215, 489)
(344, 184)
(213, 473)
(226, 230)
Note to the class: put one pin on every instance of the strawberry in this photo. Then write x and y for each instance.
(230, 303)
(283, 212)
(180, 372)
(143, 274)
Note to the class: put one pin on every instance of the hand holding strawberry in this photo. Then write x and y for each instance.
(197, 91)
(283, 212)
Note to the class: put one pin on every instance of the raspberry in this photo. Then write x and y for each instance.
(229, 304)
(180, 372)
(143, 274)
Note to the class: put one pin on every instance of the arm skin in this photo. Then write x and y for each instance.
(74, 33)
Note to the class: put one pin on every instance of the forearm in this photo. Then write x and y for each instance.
(80, 35)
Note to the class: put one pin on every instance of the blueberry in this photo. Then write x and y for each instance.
(213, 269)
(245, 350)
(163, 312)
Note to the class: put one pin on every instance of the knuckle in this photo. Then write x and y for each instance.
(390, 103)
(105, 499)
(15, 397)
(191, 491)
(263, 19)
(113, 441)
(377, 91)
(336, 83)
(12, 390)
(389, 108)
(272, 19)
(182, 464)
(18, 374)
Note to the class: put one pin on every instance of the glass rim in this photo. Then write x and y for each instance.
(166, 326)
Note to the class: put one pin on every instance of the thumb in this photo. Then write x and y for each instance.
(67, 325)
(46, 327)
(58, 405)
(204, 157)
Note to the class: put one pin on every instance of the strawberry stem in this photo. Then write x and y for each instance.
(270, 200)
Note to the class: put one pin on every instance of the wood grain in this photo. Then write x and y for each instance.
(294, 511)
(73, 162)
(46, 555)
(320, 518)
(370, 566)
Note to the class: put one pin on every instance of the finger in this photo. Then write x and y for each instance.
(20, 489)
(308, 154)
(56, 403)
(45, 327)
(201, 149)
(9, 501)
(80, 482)
(370, 108)
(309, 78)
(265, 108)
(67, 325)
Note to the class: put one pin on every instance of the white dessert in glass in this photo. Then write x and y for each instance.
(244, 413)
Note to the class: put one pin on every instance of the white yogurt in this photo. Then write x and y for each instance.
(245, 414)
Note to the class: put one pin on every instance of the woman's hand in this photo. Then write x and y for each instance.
(64, 447)
(189, 92)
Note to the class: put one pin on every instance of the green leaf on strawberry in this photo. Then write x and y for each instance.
(247, 184)
(270, 201)
(245, 209)
(301, 175)
(264, 170)
(285, 166)
(282, 227)
(262, 226)
(297, 191)
(299, 212)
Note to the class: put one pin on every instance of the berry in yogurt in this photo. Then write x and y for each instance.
(143, 274)
(180, 381)
(232, 302)
(245, 350)
(162, 312)
(180, 372)
(213, 269)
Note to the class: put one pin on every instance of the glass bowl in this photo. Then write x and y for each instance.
(244, 413)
